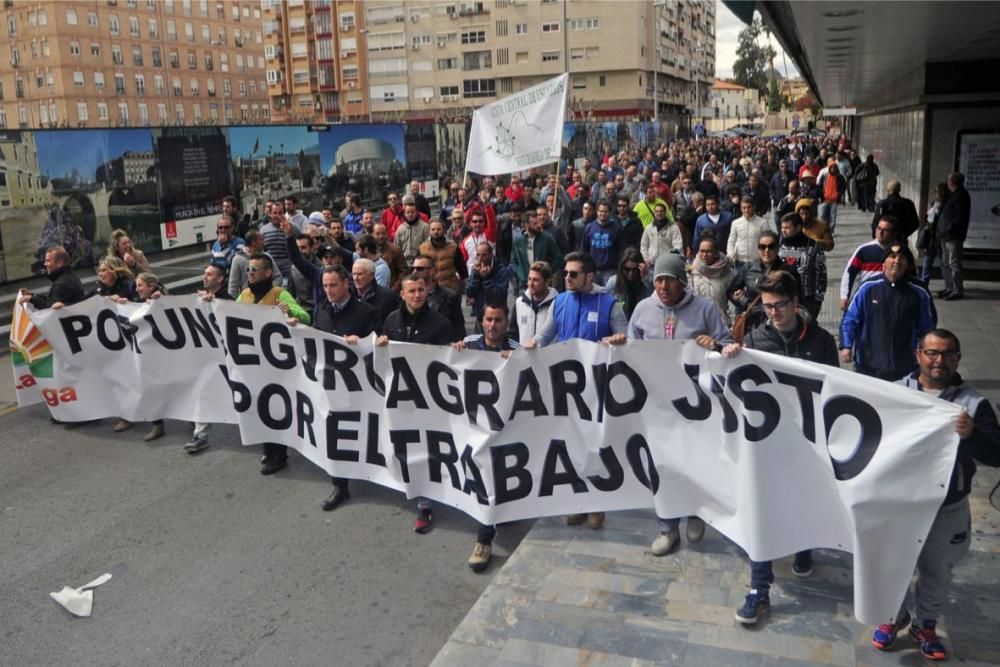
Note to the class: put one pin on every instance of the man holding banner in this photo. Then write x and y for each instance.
(790, 332)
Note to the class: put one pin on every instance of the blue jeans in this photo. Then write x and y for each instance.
(929, 256)
(828, 212)
(762, 574)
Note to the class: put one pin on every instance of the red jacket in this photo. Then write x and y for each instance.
(492, 230)
(391, 219)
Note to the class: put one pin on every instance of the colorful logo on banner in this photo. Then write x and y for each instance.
(28, 347)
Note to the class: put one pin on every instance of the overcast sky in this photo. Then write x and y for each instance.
(727, 31)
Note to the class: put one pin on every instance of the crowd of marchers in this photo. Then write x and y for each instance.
(719, 241)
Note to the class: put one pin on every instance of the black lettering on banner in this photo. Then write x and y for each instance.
(755, 401)
(869, 440)
(214, 321)
(563, 388)
(118, 343)
(804, 389)
(372, 454)
(129, 331)
(556, 456)
(729, 421)
(374, 380)
(276, 423)
(436, 458)
(309, 358)
(179, 339)
(435, 370)
(404, 386)
(504, 472)
(473, 477)
(616, 475)
(304, 415)
(200, 327)
(334, 435)
(286, 360)
(475, 399)
(604, 374)
(401, 440)
(241, 394)
(527, 383)
(235, 339)
(634, 450)
(342, 366)
(699, 411)
(74, 328)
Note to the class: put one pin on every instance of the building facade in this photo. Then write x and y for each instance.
(389, 60)
(734, 105)
(123, 63)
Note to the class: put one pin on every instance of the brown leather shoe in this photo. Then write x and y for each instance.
(155, 433)
(121, 425)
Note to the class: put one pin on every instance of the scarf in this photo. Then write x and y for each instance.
(259, 289)
(719, 269)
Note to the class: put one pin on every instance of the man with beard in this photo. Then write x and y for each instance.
(411, 232)
(534, 245)
(441, 299)
(390, 254)
(450, 270)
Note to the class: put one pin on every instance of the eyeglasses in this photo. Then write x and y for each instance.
(947, 355)
(571, 274)
(255, 269)
(777, 305)
(767, 246)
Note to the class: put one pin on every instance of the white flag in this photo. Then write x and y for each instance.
(518, 132)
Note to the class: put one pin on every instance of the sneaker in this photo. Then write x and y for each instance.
(423, 521)
(575, 519)
(121, 425)
(666, 542)
(480, 557)
(803, 566)
(695, 529)
(885, 635)
(754, 607)
(196, 446)
(595, 520)
(930, 646)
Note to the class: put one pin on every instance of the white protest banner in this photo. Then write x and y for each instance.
(778, 454)
(518, 132)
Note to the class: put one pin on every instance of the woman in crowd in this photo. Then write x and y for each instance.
(711, 273)
(629, 285)
(114, 278)
(120, 246)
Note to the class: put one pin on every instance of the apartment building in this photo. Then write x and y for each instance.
(330, 60)
(122, 63)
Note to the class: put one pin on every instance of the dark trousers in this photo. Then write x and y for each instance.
(339, 482)
(273, 450)
(762, 573)
(485, 534)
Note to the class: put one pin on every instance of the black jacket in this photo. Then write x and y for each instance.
(355, 319)
(121, 287)
(953, 223)
(424, 326)
(448, 303)
(810, 342)
(382, 300)
(66, 288)
(900, 208)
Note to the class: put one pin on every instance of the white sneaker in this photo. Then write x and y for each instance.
(666, 542)
(480, 557)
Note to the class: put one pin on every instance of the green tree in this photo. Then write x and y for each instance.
(774, 97)
(752, 59)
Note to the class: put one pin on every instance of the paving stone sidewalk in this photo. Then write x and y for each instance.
(576, 596)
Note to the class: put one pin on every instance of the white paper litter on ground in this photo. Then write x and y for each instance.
(79, 601)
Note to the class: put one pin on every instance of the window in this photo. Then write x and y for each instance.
(154, 29)
(419, 40)
(82, 114)
(224, 62)
(95, 50)
(593, 52)
(91, 19)
(157, 60)
(74, 48)
(140, 84)
(123, 113)
(175, 84)
(301, 76)
(552, 26)
(479, 88)
(116, 55)
(133, 26)
(227, 88)
(196, 113)
(113, 21)
(296, 24)
(193, 84)
(143, 114)
(593, 24)
(171, 30)
(99, 79)
(206, 34)
(274, 76)
(158, 85)
(473, 36)
(192, 59)
(550, 56)
(579, 82)
(324, 49)
(300, 50)
(137, 60)
(77, 78)
(448, 93)
(576, 54)
(210, 88)
(102, 111)
(602, 80)
(188, 31)
(43, 19)
(175, 60)
(477, 60)
(119, 83)
(161, 113)
(575, 24)
(71, 17)
(386, 41)
(447, 63)
(12, 24)
(209, 63)
(521, 29)
(243, 88)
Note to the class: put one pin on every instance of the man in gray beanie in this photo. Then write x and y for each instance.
(675, 312)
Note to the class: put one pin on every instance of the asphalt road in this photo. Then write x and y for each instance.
(214, 563)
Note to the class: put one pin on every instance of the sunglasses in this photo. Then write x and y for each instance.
(630, 269)
(767, 246)
(571, 274)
